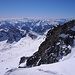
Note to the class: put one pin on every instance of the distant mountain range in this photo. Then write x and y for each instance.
(14, 29)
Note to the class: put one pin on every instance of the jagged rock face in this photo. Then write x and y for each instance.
(55, 46)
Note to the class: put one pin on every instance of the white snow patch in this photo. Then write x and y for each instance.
(73, 29)
(63, 35)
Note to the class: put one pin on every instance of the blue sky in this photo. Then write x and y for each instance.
(37, 8)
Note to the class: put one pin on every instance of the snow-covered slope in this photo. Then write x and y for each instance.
(10, 53)
(66, 66)
(61, 68)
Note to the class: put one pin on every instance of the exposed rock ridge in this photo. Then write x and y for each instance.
(56, 45)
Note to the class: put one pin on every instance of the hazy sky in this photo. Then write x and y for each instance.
(37, 8)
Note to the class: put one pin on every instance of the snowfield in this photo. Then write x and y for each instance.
(10, 54)
(61, 68)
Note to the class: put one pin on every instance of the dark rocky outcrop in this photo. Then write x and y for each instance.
(22, 60)
(55, 45)
(33, 36)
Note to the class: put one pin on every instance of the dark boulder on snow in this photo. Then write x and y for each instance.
(22, 60)
(56, 45)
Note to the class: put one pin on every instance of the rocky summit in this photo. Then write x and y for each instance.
(58, 43)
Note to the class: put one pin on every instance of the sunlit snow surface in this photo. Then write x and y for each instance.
(65, 67)
(10, 55)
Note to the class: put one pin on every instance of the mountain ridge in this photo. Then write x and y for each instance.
(55, 46)
(20, 28)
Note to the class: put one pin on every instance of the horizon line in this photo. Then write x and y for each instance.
(34, 18)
